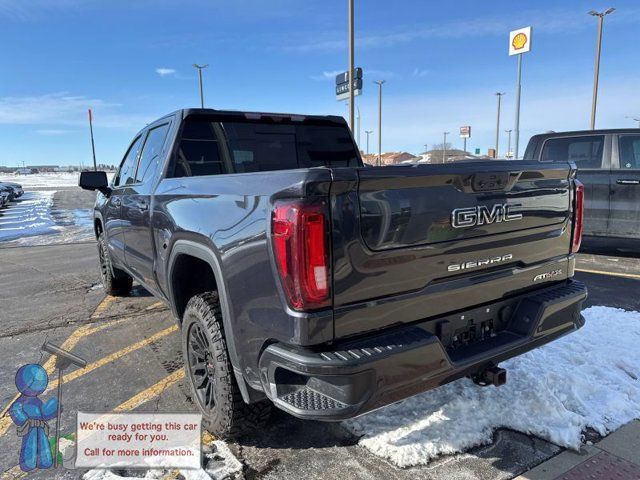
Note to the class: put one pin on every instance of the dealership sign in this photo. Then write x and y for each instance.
(520, 41)
(342, 84)
(465, 132)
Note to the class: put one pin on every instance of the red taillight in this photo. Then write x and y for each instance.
(300, 245)
(578, 218)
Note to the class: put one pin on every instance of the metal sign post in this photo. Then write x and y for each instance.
(93, 146)
(519, 43)
(351, 68)
(465, 132)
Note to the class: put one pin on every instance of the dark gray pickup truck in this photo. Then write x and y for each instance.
(608, 164)
(300, 278)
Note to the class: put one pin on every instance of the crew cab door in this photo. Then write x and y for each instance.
(624, 220)
(136, 199)
(591, 154)
(113, 222)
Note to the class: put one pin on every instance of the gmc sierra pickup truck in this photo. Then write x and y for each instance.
(608, 164)
(304, 280)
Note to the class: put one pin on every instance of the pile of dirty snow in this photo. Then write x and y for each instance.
(587, 379)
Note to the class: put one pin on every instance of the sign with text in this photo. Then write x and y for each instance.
(465, 132)
(520, 41)
(138, 440)
(344, 76)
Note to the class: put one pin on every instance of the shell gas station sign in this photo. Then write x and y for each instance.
(520, 41)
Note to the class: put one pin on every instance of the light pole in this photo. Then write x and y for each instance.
(351, 66)
(200, 67)
(444, 147)
(635, 119)
(368, 132)
(596, 73)
(358, 126)
(380, 83)
(499, 95)
(509, 141)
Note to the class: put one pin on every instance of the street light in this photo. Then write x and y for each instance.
(499, 95)
(380, 83)
(200, 67)
(368, 132)
(635, 119)
(509, 142)
(351, 66)
(596, 73)
(444, 147)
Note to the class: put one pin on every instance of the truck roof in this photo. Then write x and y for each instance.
(185, 112)
(588, 132)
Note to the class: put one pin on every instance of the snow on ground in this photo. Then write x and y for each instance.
(44, 180)
(589, 378)
(33, 219)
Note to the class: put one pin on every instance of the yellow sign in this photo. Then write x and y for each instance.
(520, 41)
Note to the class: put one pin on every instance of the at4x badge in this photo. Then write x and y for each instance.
(547, 275)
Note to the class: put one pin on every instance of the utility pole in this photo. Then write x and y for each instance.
(93, 145)
(351, 67)
(509, 142)
(444, 148)
(499, 95)
(596, 72)
(200, 67)
(368, 132)
(517, 122)
(380, 83)
(358, 137)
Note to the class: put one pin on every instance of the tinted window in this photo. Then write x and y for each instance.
(126, 174)
(151, 152)
(629, 151)
(258, 147)
(585, 151)
(199, 150)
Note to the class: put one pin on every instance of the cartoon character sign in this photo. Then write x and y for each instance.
(31, 414)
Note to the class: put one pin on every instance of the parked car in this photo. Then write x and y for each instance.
(304, 280)
(608, 164)
(9, 190)
(17, 188)
(4, 198)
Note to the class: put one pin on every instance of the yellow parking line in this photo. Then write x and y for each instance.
(13, 474)
(104, 304)
(114, 356)
(613, 274)
(153, 306)
(151, 392)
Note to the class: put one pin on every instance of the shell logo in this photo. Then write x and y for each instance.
(519, 41)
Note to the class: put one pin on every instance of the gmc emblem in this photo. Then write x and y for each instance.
(482, 215)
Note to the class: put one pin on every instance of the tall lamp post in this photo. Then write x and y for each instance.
(380, 83)
(368, 132)
(200, 67)
(351, 67)
(499, 95)
(596, 73)
(508, 132)
(444, 147)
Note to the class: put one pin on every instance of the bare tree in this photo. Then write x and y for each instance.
(441, 146)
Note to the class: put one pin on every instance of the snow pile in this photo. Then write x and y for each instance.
(33, 219)
(46, 180)
(587, 379)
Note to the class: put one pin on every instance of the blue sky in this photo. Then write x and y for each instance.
(130, 60)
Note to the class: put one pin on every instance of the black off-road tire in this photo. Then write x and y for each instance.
(210, 373)
(115, 281)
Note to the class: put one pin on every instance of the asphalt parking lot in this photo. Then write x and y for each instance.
(52, 293)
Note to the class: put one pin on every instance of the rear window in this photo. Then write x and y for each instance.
(585, 151)
(212, 148)
(629, 150)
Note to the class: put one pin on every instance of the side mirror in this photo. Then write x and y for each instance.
(95, 181)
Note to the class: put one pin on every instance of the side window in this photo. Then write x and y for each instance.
(199, 152)
(629, 151)
(127, 171)
(585, 151)
(151, 152)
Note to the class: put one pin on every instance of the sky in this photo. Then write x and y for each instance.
(131, 62)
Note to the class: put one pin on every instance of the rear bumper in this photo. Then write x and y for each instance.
(351, 378)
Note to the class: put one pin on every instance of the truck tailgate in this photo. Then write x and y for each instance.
(414, 242)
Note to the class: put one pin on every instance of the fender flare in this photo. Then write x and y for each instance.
(206, 254)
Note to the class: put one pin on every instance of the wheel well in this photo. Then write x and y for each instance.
(190, 276)
(97, 227)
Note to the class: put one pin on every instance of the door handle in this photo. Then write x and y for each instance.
(143, 206)
(622, 181)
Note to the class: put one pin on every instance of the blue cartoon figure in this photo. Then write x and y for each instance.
(31, 414)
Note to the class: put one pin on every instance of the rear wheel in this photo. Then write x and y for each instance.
(115, 281)
(210, 372)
